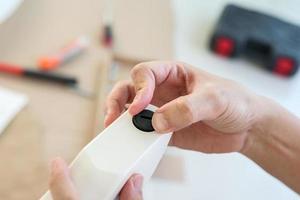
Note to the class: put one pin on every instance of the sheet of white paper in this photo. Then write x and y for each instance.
(10, 104)
(7, 7)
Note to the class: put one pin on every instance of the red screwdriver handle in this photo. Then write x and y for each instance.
(11, 69)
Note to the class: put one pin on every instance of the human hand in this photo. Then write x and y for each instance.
(207, 113)
(62, 187)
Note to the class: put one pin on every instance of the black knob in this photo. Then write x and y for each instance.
(143, 121)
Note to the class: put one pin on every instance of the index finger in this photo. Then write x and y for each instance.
(146, 76)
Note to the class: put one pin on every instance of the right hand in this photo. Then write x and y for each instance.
(207, 113)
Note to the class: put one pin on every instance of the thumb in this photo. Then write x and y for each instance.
(184, 111)
(61, 185)
(132, 190)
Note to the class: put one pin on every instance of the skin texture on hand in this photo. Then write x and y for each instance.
(206, 113)
(62, 186)
(275, 144)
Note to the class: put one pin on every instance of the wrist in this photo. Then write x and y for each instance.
(273, 143)
(266, 117)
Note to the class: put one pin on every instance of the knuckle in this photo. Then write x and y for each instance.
(211, 91)
(139, 74)
(139, 68)
(185, 109)
(118, 87)
(121, 83)
(181, 64)
(215, 95)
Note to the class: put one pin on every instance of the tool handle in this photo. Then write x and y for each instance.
(11, 69)
(57, 78)
(61, 79)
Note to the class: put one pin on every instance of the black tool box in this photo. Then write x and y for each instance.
(261, 38)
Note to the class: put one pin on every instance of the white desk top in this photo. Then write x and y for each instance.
(195, 21)
(192, 175)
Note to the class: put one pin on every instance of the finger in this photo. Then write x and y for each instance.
(120, 95)
(203, 138)
(132, 190)
(146, 76)
(186, 110)
(61, 186)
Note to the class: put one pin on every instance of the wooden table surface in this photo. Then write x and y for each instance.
(57, 121)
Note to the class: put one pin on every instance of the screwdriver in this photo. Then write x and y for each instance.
(64, 55)
(51, 77)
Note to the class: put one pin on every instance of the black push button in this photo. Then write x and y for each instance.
(143, 121)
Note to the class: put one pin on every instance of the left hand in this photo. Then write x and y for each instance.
(62, 186)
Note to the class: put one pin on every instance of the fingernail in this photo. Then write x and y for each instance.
(137, 183)
(159, 122)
